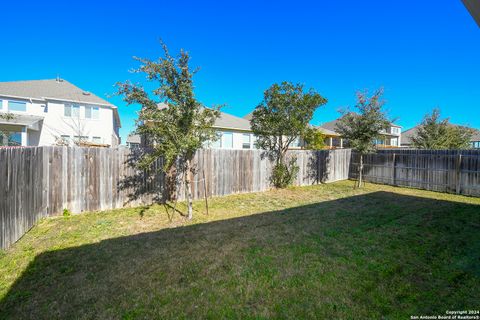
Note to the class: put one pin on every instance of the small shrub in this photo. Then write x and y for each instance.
(66, 212)
(283, 174)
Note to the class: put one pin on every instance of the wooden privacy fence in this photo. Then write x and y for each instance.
(240, 171)
(43, 181)
(452, 171)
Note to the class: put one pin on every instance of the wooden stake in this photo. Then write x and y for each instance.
(205, 190)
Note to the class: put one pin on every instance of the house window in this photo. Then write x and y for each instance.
(97, 140)
(217, 144)
(95, 112)
(88, 112)
(295, 143)
(10, 139)
(75, 110)
(65, 139)
(246, 141)
(92, 112)
(17, 106)
(79, 139)
(227, 140)
(395, 130)
(67, 111)
(71, 110)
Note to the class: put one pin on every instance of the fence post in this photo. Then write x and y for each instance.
(394, 169)
(458, 173)
(317, 163)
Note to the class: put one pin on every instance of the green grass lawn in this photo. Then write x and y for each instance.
(325, 251)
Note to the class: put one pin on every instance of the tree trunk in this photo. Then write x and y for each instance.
(188, 192)
(281, 158)
(360, 171)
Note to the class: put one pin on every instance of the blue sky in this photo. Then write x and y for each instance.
(424, 53)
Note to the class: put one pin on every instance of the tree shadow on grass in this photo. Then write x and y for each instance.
(366, 256)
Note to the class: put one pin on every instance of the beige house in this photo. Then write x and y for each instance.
(390, 138)
(233, 133)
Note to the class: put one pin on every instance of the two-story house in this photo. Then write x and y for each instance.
(52, 112)
(389, 138)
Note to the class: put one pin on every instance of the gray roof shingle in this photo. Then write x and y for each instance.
(134, 138)
(407, 136)
(49, 89)
(330, 126)
(228, 121)
(225, 121)
(476, 136)
(248, 116)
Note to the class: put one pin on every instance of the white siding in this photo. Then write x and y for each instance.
(56, 124)
(237, 139)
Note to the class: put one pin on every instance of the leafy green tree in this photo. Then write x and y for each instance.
(281, 118)
(176, 131)
(314, 139)
(459, 137)
(362, 128)
(435, 133)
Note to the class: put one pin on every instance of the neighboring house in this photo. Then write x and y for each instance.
(333, 140)
(407, 138)
(133, 141)
(52, 112)
(296, 144)
(390, 138)
(234, 133)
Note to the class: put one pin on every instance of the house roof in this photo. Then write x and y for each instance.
(248, 116)
(225, 121)
(330, 126)
(328, 132)
(133, 138)
(476, 136)
(228, 121)
(473, 7)
(51, 89)
(407, 135)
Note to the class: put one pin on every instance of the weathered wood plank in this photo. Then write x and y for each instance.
(451, 171)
